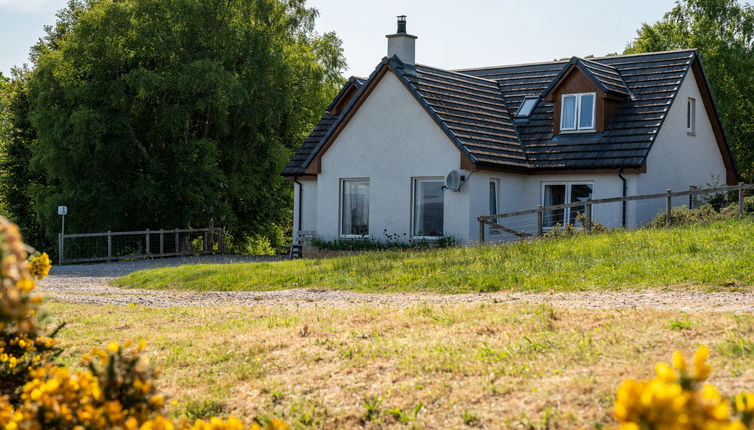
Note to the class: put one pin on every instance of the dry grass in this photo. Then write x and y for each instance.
(487, 366)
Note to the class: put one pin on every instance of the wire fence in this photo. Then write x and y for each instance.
(131, 245)
(627, 212)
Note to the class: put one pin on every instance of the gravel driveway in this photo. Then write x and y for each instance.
(88, 284)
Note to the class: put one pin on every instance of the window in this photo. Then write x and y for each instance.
(354, 205)
(691, 117)
(526, 107)
(558, 194)
(577, 112)
(493, 196)
(428, 207)
(494, 187)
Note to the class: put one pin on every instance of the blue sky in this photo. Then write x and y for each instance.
(452, 34)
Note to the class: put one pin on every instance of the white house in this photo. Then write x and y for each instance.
(521, 135)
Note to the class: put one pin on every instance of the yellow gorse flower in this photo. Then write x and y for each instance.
(676, 399)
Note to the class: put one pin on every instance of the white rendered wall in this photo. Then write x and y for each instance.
(390, 140)
(520, 192)
(678, 160)
(309, 209)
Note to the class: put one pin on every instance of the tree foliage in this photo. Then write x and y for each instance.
(723, 32)
(175, 113)
(18, 179)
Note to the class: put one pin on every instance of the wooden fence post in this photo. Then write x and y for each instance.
(212, 240)
(177, 243)
(668, 208)
(540, 220)
(205, 242)
(109, 246)
(692, 196)
(740, 199)
(222, 241)
(147, 238)
(588, 215)
(162, 241)
(481, 230)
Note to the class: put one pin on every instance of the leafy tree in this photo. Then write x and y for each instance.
(17, 142)
(175, 113)
(723, 32)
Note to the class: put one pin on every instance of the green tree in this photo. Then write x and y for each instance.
(176, 113)
(723, 32)
(18, 180)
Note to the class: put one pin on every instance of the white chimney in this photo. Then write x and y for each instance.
(401, 44)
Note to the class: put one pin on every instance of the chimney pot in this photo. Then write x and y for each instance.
(401, 24)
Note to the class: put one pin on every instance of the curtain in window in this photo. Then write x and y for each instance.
(568, 119)
(355, 206)
(428, 207)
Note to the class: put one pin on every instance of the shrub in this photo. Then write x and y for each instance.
(116, 389)
(677, 399)
(392, 242)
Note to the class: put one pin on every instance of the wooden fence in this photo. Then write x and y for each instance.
(493, 220)
(126, 245)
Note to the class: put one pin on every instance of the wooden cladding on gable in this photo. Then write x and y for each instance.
(574, 82)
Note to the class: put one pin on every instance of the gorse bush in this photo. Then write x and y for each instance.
(116, 389)
(678, 399)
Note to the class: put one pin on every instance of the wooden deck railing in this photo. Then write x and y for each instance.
(492, 220)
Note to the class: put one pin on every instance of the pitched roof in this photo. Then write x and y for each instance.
(475, 108)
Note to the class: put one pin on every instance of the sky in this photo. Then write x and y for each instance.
(452, 34)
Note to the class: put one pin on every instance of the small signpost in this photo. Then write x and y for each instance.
(62, 211)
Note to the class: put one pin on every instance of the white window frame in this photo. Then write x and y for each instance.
(691, 116)
(340, 209)
(578, 112)
(414, 189)
(568, 186)
(519, 113)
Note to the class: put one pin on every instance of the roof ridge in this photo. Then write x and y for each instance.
(554, 62)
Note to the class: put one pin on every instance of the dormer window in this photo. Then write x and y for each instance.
(577, 112)
(527, 106)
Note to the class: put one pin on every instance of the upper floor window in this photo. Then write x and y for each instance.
(527, 106)
(577, 112)
(691, 117)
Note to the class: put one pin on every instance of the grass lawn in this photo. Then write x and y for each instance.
(714, 254)
(425, 366)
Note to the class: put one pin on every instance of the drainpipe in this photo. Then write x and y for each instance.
(625, 189)
(300, 203)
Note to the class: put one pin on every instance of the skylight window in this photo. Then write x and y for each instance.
(526, 107)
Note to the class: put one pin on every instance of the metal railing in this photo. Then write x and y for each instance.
(126, 245)
(494, 222)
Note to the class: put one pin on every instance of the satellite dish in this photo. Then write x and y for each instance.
(454, 180)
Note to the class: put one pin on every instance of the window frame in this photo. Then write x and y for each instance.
(343, 182)
(414, 192)
(568, 186)
(691, 116)
(577, 113)
(519, 114)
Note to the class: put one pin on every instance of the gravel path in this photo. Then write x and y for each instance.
(88, 284)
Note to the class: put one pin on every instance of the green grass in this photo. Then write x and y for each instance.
(424, 366)
(716, 254)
